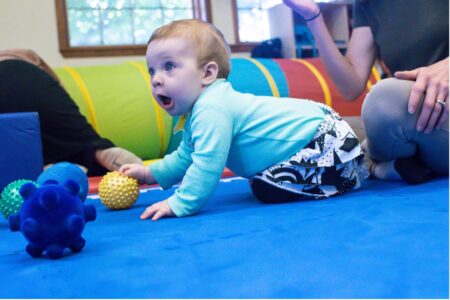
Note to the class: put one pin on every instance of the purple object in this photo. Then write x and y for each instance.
(52, 218)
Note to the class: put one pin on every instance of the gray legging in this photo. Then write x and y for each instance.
(390, 129)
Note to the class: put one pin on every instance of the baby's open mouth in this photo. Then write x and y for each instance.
(166, 101)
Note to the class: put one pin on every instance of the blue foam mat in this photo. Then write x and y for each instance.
(387, 240)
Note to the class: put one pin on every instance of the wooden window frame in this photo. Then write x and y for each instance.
(239, 46)
(202, 10)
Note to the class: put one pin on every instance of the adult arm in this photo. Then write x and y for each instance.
(350, 72)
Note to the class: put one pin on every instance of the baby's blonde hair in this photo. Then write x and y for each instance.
(211, 43)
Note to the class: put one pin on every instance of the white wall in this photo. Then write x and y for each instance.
(32, 24)
(222, 18)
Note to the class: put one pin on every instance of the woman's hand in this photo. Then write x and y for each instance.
(433, 82)
(306, 8)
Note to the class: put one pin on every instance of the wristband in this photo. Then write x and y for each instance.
(315, 17)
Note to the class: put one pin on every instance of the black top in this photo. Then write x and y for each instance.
(66, 134)
(409, 33)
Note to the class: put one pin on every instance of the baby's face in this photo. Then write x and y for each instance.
(175, 76)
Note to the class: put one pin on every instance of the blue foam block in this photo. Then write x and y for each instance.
(21, 149)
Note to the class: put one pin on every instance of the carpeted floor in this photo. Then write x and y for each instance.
(387, 240)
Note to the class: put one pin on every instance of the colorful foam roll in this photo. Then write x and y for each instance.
(117, 101)
(308, 79)
(252, 76)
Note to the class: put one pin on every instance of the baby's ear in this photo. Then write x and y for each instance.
(210, 71)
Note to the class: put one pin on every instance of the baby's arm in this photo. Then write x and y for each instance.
(142, 173)
(211, 136)
(200, 170)
(168, 170)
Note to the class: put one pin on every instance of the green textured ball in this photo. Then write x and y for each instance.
(10, 199)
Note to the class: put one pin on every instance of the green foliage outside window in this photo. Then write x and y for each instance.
(121, 22)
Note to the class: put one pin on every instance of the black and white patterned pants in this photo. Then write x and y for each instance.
(331, 164)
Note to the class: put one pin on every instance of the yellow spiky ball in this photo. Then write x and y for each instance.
(117, 191)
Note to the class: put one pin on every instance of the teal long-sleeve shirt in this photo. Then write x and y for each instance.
(243, 132)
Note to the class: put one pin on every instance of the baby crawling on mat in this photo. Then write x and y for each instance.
(290, 149)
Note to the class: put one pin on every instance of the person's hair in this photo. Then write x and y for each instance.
(209, 41)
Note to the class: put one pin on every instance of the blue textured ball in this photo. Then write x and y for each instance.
(61, 172)
(52, 218)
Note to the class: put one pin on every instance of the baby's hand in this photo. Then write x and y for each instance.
(158, 210)
(139, 172)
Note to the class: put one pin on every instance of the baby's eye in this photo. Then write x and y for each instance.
(169, 66)
(151, 71)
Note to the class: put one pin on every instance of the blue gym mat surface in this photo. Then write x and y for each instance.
(387, 240)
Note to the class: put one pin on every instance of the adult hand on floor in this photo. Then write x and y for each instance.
(433, 81)
(157, 211)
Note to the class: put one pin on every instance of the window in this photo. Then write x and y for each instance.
(117, 27)
(252, 20)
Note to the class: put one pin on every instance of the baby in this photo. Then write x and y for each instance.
(290, 149)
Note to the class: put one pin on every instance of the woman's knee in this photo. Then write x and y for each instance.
(387, 104)
(388, 125)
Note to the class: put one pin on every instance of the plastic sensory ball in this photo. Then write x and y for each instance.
(117, 191)
(52, 218)
(10, 199)
(63, 171)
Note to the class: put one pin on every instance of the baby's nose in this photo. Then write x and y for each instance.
(156, 81)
